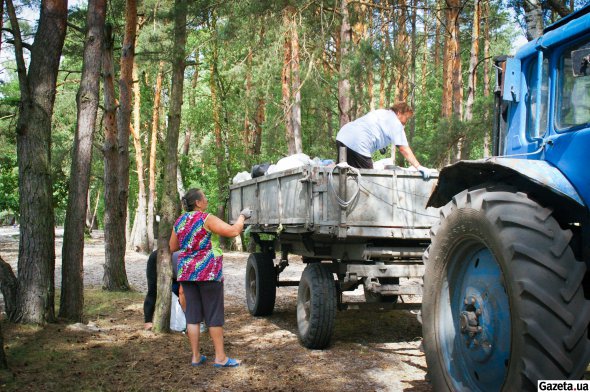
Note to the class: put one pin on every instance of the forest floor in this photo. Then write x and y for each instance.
(370, 350)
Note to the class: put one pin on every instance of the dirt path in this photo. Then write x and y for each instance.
(371, 350)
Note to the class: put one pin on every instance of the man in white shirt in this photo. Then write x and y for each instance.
(377, 130)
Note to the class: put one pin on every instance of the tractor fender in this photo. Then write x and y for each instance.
(539, 179)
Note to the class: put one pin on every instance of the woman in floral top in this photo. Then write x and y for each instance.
(200, 272)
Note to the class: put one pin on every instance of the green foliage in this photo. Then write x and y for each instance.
(241, 27)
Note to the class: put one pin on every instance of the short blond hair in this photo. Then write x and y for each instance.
(401, 108)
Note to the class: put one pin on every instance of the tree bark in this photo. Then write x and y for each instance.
(286, 82)
(463, 143)
(412, 82)
(3, 361)
(170, 209)
(9, 288)
(403, 50)
(425, 54)
(382, 73)
(452, 78)
(473, 61)
(139, 241)
(115, 277)
(533, 15)
(437, 28)
(296, 87)
(72, 287)
(344, 105)
(93, 223)
(152, 169)
(486, 73)
(1, 21)
(247, 134)
(557, 6)
(36, 261)
(110, 149)
(192, 101)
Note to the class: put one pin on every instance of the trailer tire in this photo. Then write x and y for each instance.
(260, 284)
(503, 303)
(316, 306)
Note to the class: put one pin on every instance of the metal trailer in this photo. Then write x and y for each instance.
(371, 229)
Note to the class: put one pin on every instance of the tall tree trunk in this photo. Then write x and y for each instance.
(412, 87)
(425, 54)
(72, 286)
(437, 29)
(139, 241)
(296, 87)
(286, 82)
(486, 73)
(8, 287)
(452, 88)
(152, 169)
(403, 50)
(1, 21)
(344, 105)
(93, 223)
(533, 15)
(259, 119)
(457, 70)
(110, 147)
(170, 208)
(473, 61)
(260, 115)
(382, 74)
(89, 193)
(220, 147)
(359, 34)
(247, 134)
(192, 101)
(36, 256)
(115, 277)
(462, 144)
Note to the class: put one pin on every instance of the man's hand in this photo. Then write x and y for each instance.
(246, 212)
(424, 171)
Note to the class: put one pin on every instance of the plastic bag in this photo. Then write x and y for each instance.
(259, 170)
(241, 176)
(177, 319)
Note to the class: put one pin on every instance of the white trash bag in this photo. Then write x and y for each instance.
(177, 319)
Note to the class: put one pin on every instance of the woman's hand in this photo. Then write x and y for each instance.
(247, 213)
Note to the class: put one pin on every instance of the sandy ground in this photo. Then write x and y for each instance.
(370, 351)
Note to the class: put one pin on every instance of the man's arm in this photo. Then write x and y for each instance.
(409, 155)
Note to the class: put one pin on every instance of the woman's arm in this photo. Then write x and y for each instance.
(217, 226)
(174, 245)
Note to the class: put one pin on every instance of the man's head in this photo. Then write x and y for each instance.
(403, 111)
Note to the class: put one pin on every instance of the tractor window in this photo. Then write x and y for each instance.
(531, 98)
(573, 94)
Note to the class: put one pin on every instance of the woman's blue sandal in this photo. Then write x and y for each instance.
(201, 361)
(230, 363)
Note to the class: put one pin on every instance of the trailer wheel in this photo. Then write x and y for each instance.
(316, 306)
(260, 284)
(503, 302)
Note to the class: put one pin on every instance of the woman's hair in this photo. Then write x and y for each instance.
(190, 199)
(401, 108)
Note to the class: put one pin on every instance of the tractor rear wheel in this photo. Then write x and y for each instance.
(503, 303)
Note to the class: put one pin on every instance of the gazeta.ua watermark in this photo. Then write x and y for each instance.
(563, 385)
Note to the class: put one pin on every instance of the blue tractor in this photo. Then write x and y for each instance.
(507, 284)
